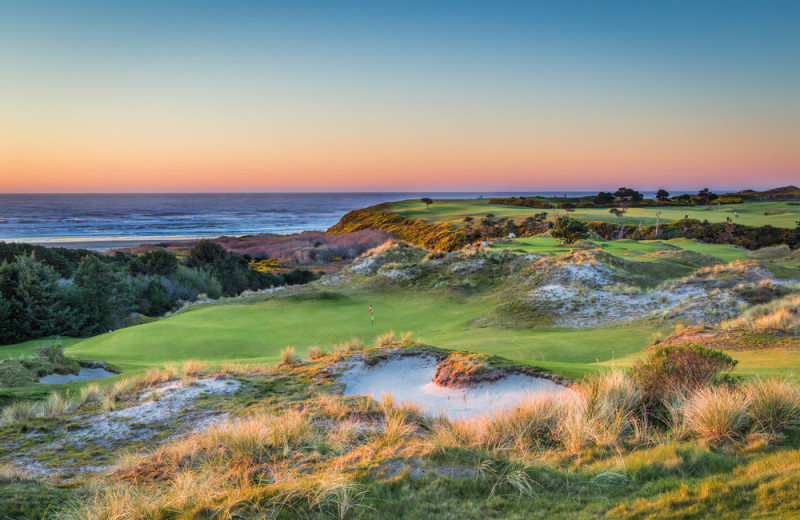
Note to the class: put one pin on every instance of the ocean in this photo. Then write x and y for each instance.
(100, 221)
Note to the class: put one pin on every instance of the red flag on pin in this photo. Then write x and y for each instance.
(370, 308)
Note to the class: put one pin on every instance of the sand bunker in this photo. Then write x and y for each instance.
(410, 378)
(85, 374)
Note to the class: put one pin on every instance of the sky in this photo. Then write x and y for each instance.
(169, 96)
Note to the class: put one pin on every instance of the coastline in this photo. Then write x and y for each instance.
(108, 243)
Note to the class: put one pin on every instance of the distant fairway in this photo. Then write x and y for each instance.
(628, 249)
(750, 213)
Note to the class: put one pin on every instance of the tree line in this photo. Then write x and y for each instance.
(72, 292)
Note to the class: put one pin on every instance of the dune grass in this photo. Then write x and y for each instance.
(590, 456)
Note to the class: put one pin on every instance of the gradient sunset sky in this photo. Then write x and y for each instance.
(393, 96)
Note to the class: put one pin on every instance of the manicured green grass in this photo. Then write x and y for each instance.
(629, 249)
(257, 332)
(24, 349)
(750, 213)
(772, 362)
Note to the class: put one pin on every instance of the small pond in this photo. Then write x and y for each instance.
(85, 374)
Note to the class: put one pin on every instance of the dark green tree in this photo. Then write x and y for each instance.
(35, 302)
(620, 214)
(604, 197)
(427, 201)
(794, 238)
(569, 230)
(662, 195)
(626, 195)
(706, 196)
(155, 261)
(97, 288)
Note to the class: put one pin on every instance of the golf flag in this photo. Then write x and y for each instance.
(371, 316)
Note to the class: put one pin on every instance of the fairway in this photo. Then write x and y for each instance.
(453, 211)
(257, 332)
(628, 249)
(26, 348)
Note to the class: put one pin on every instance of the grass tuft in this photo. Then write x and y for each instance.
(717, 415)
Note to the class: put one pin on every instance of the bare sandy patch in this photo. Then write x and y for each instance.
(410, 378)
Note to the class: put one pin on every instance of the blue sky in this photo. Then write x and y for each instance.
(401, 95)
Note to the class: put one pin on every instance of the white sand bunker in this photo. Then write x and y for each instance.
(410, 378)
(85, 374)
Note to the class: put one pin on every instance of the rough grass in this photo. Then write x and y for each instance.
(582, 454)
(781, 315)
(717, 415)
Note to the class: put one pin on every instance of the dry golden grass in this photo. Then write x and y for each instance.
(717, 415)
(303, 461)
(352, 345)
(781, 315)
(726, 271)
(56, 405)
(19, 412)
(289, 356)
(386, 339)
(315, 353)
(773, 404)
(108, 403)
(90, 393)
(194, 367)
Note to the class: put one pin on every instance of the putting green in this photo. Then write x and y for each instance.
(257, 332)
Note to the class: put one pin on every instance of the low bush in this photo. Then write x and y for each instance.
(525, 202)
(676, 369)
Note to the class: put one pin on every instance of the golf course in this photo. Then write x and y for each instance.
(268, 380)
(756, 213)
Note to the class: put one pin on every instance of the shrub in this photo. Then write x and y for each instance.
(445, 237)
(678, 369)
(525, 202)
(52, 351)
(764, 292)
(717, 415)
